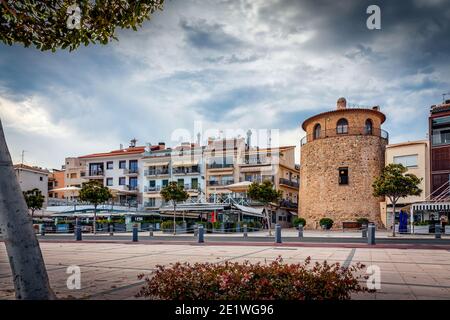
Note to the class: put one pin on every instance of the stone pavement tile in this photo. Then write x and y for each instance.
(390, 277)
(408, 267)
(363, 296)
(419, 278)
(430, 291)
(394, 296)
(394, 288)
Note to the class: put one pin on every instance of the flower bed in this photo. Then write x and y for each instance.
(246, 281)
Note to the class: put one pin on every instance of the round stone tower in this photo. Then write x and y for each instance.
(341, 154)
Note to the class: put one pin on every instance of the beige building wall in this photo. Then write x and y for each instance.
(415, 156)
(75, 172)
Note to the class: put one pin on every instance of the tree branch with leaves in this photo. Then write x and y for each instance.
(34, 199)
(61, 24)
(265, 193)
(175, 193)
(94, 193)
(395, 183)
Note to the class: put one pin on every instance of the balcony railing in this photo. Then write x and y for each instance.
(186, 171)
(219, 183)
(345, 131)
(96, 173)
(152, 189)
(132, 188)
(288, 182)
(157, 172)
(131, 171)
(219, 165)
(288, 204)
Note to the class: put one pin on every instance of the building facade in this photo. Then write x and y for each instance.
(55, 181)
(341, 155)
(182, 164)
(415, 156)
(119, 170)
(439, 136)
(32, 177)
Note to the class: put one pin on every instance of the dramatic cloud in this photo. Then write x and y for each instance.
(230, 64)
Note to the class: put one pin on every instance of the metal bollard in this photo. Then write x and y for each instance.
(238, 227)
(135, 233)
(437, 231)
(277, 233)
(371, 234)
(78, 234)
(111, 233)
(42, 229)
(201, 234)
(364, 231)
(195, 230)
(151, 231)
(300, 231)
(245, 231)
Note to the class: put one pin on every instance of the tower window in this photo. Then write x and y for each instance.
(368, 127)
(343, 176)
(342, 126)
(316, 134)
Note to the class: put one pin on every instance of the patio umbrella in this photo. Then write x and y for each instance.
(72, 190)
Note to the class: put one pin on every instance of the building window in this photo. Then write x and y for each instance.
(316, 133)
(109, 165)
(409, 161)
(122, 164)
(165, 183)
(122, 181)
(194, 183)
(368, 127)
(342, 126)
(343, 176)
(73, 176)
(152, 183)
(109, 182)
(41, 179)
(180, 182)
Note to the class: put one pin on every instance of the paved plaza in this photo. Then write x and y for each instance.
(109, 270)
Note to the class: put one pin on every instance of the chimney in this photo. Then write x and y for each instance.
(341, 104)
(133, 143)
(198, 139)
(249, 139)
(376, 108)
(121, 146)
(162, 145)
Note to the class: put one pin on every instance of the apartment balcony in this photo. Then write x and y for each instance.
(131, 172)
(95, 174)
(214, 183)
(134, 189)
(155, 173)
(191, 187)
(186, 171)
(289, 183)
(152, 189)
(288, 204)
(219, 166)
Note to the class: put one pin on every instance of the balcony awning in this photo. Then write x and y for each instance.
(251, 210)
(185, 162)
(240, 186)
(157, 164)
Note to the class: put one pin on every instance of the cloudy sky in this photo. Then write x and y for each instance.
(229, 64)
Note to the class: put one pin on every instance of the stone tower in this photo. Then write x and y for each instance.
(341, 154)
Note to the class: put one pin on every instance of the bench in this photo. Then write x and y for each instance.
(350, 225)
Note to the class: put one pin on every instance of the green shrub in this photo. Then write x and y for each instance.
(247, 281)
(362, 221)
(168, 224)
(327, 222)
(297, 221)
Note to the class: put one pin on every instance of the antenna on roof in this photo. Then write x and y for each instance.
(23, 155)
(444, 95)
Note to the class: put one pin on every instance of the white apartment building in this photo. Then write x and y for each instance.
(32, 177)
(120, 170)
(183, 164)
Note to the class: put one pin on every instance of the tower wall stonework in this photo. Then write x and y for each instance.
(320, 193)
(363, 153)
